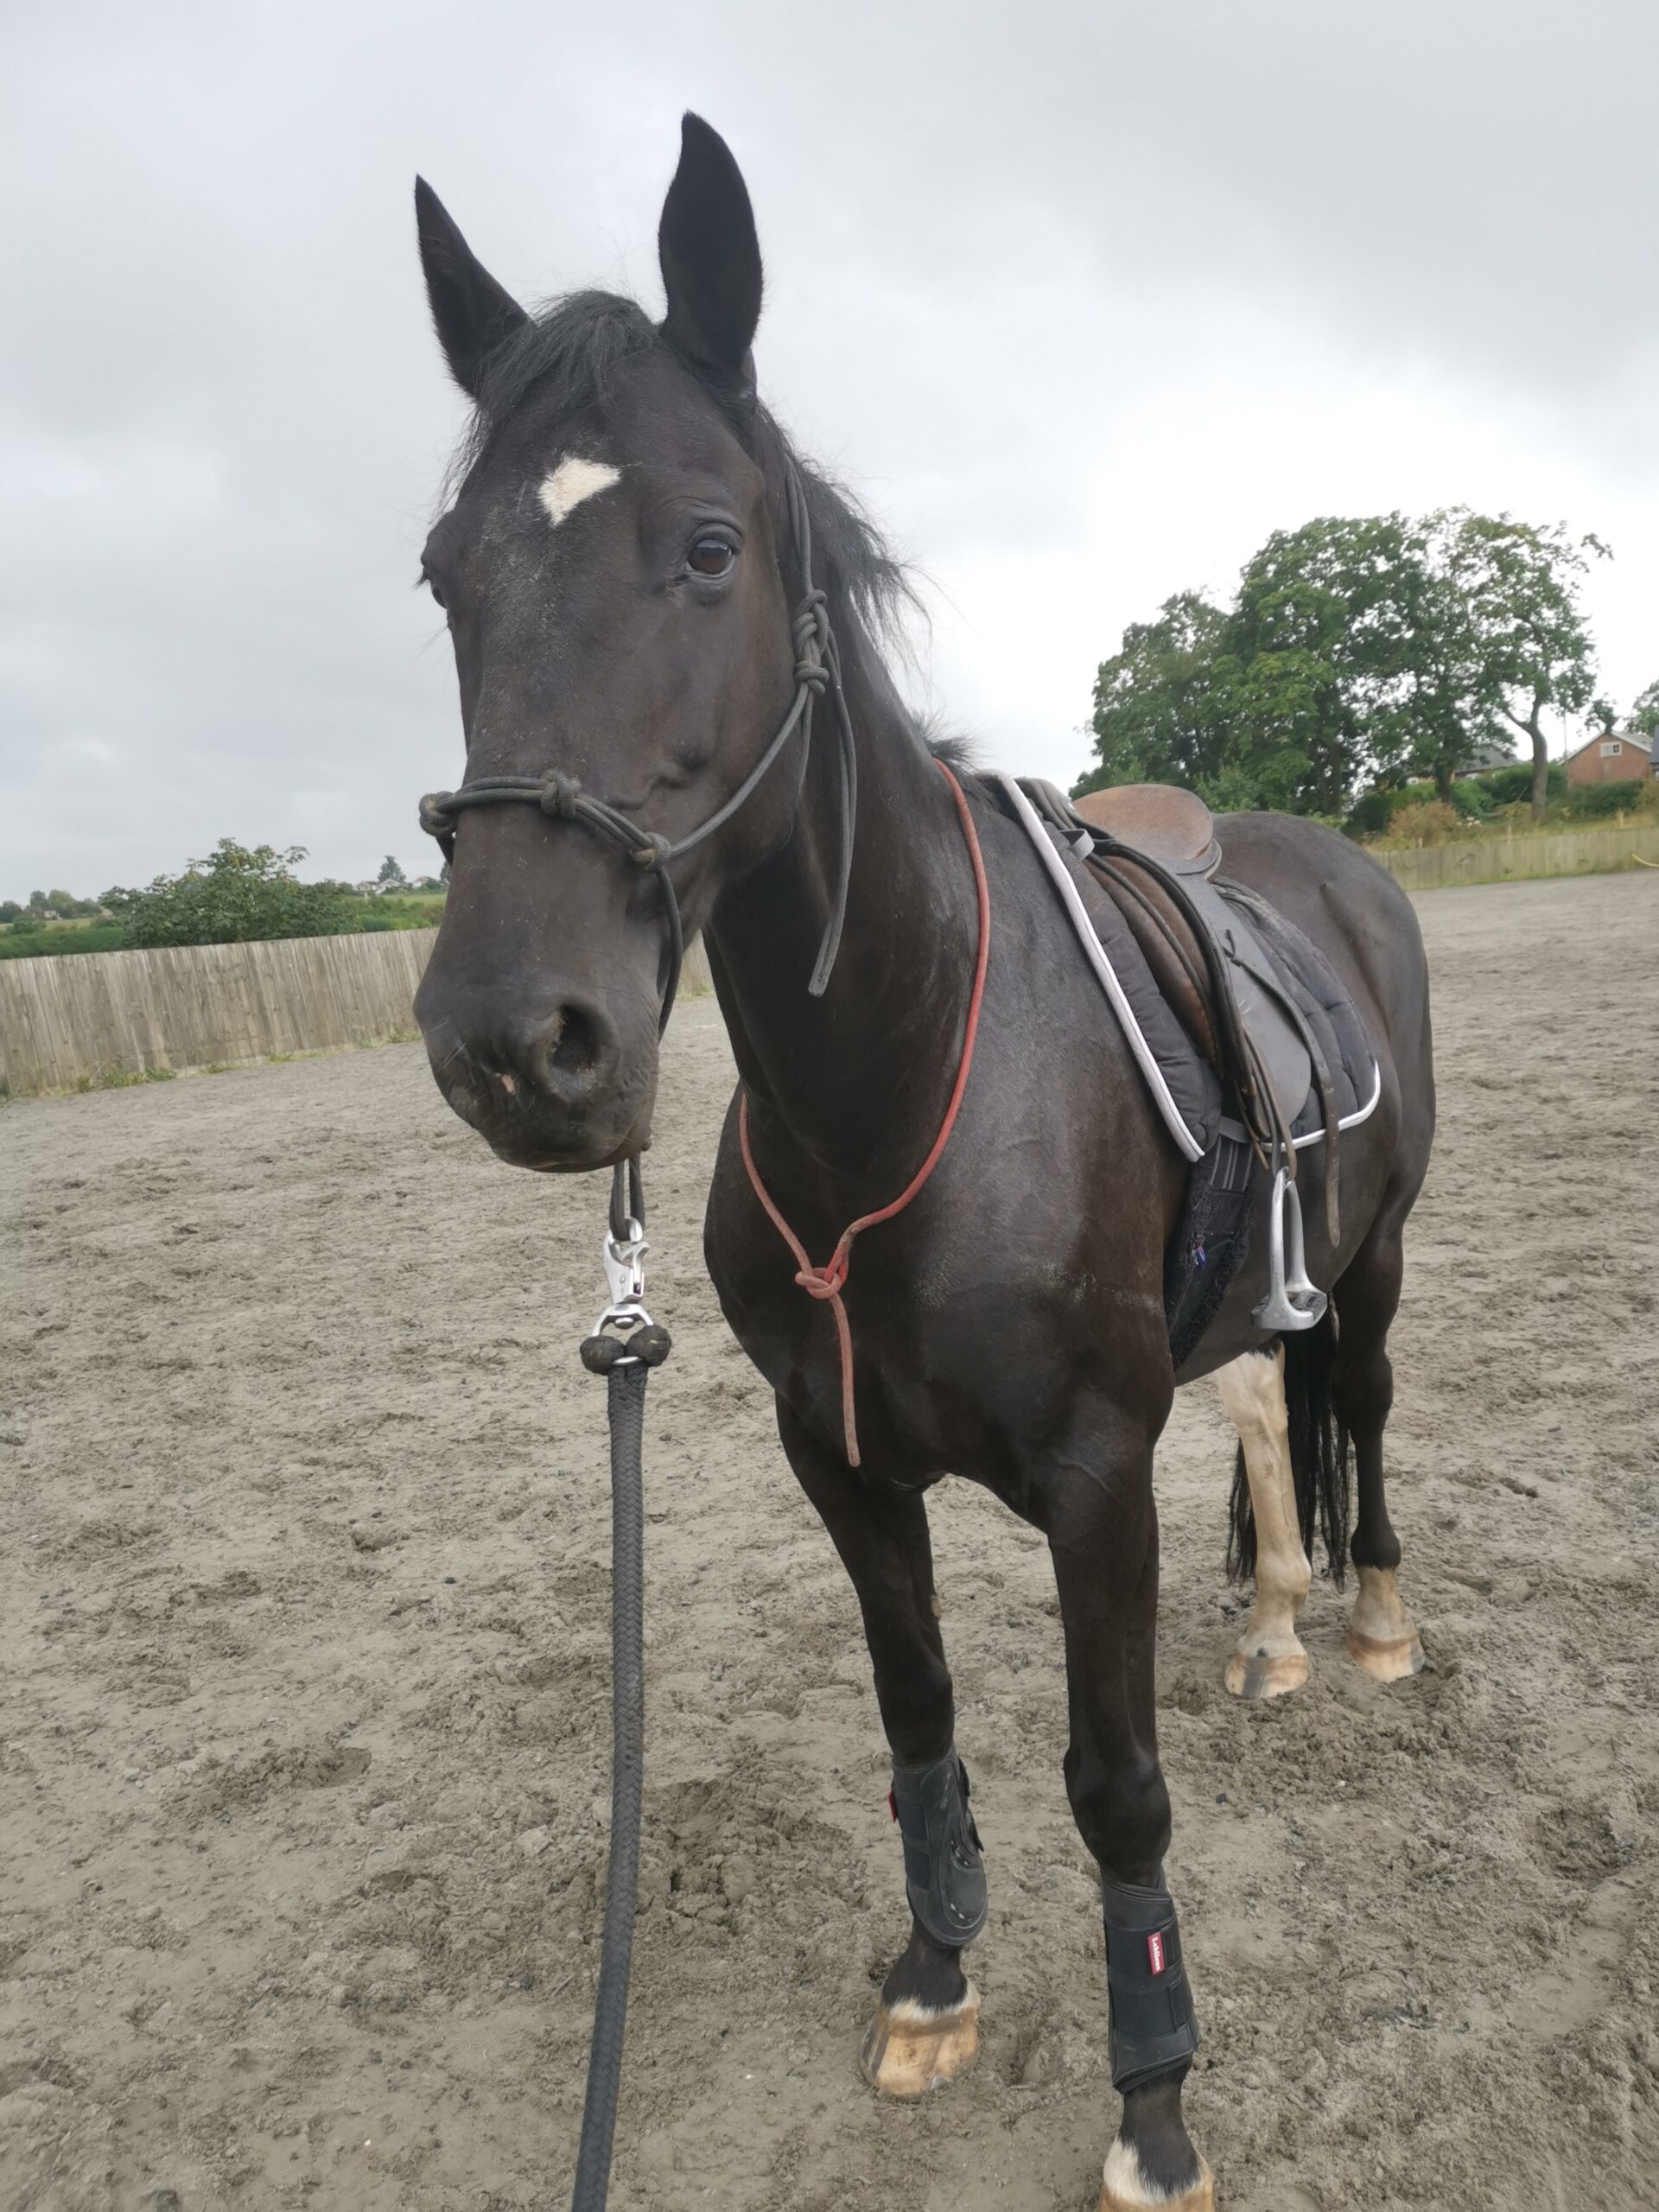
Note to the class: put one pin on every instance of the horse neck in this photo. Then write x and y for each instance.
(859, 1076)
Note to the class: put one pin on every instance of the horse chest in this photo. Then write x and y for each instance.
(964, 1339)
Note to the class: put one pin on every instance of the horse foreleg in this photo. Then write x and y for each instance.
(1268, 1658)
(1103, 1532)
(926, 2026)
(1382, 1635)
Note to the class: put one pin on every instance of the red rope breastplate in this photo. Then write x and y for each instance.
(828, 1282)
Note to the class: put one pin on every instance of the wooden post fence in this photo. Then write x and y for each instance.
(1517, 860)
(80, 1019)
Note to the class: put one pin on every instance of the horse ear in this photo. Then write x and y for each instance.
(711, 259)
(471, 312)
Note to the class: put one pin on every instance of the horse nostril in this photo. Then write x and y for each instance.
(575, 1042)
(566, 1059)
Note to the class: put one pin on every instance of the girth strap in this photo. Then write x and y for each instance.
(945, 1873)
(1154, 2028)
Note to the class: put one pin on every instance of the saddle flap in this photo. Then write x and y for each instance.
(1256, 993)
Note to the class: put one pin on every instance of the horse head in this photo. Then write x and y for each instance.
(612, 569)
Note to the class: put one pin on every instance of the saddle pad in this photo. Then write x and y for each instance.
(1183, 1085)
(1271, 960)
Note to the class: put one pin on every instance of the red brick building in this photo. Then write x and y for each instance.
(1609, 757)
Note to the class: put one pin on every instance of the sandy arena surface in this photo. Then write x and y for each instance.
(306, 1669)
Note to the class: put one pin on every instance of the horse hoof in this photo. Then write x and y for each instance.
(1252, 1674)
(1126, 2175)
(1382, 1635)
(912, 2048)
(1386, 1660)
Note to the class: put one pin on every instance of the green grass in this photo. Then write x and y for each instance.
(369, 916)
(418, 911)
(119, 1079)
(49, 938)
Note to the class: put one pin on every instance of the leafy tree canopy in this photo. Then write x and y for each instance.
(238, 893)
(1644, 714)
(1357, 651)
(390, 875)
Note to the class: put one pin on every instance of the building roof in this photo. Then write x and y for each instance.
(1619, 736)
(1481, 759)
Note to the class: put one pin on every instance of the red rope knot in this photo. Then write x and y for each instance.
(825, 1282)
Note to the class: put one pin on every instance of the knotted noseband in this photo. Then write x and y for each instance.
(560, 797)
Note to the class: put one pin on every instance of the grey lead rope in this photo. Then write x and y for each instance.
(817, 669)
(626, 1386)
(625, 1361)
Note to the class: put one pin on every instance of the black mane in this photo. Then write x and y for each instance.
(569, 355)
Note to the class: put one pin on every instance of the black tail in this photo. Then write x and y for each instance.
(1321, 1460)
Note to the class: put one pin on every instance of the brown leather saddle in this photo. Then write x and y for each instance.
(1169, 825)
(1204, 956)
(1218, 957)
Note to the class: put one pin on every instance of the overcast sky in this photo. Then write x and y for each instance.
(1085, 300)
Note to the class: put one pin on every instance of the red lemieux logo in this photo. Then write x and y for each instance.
(1155, 1953)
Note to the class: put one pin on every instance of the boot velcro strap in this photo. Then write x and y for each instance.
(1155, 2028)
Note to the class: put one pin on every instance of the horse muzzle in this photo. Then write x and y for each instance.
(557, 1088)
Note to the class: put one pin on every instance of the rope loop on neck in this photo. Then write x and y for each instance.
(826, 1283)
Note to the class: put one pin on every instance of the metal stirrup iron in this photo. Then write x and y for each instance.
(1292, 1301)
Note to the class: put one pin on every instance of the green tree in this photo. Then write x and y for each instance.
(1273, 703)
(1516, 586)
(1155, 718)
(391, 876)
(238, 894)
(10, 910)
(1644, 714)
(1327, 620)
(1375, 649)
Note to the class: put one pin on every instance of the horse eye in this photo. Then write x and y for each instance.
(712, 556)
(431, 584)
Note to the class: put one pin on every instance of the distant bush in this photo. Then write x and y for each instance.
(1595, 802)
(239, 894)
(30, 940)
(1372, 813)
(1513, 786)
(1426, 822)
(1506, 793)
(1471, 802)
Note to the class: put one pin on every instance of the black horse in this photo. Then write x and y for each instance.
(621, 565)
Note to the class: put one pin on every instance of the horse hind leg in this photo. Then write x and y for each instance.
(1381, 1637)
(1269, 1659)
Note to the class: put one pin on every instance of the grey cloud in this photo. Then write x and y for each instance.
(990, 233)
